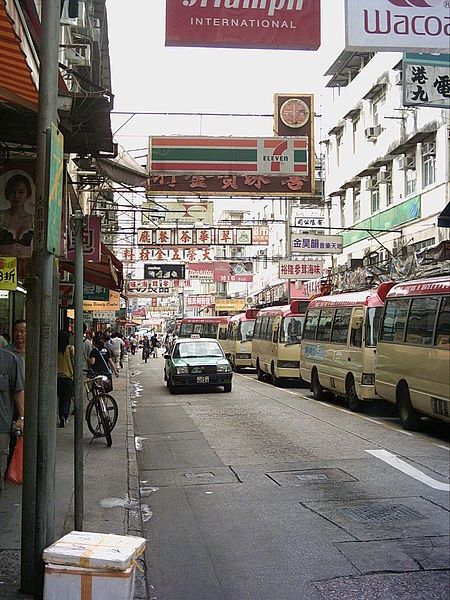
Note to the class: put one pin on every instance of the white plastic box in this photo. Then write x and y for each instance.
(91, 566)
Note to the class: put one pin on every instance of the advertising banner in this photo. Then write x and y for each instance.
(8, 273)
(166, 271)
(94, 292)
(260, 235)
(310, 219)
(236, 236)
(201, 271)
(112, 305)
(271, 24)
(66, 292)
(236, 186)
(426, 79)
(168, 254)
(17, 191)
(230, 304)
(155, 285)
(302, 269)
(199, 301)
(316, 244)
(91, 240)
(229, 272)
(228, 155)
(397, 25)
(185, 212)
(55, 190)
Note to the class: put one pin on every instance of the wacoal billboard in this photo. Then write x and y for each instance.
(272, 24)
(404, 25)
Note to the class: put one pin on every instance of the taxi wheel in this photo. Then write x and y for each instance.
(172, 388)
(227, 387)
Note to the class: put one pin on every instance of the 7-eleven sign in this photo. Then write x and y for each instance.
(283, 156)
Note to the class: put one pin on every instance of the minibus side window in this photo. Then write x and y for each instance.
(443, 325)
(265, 323)
(393, 327)
(269, 328)
(421, 319)
(257, 328)
(340, 325)
(373, 318)
(309, 330)
(324, 327)
(275, 336)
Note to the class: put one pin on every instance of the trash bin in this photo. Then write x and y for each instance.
(91, 566)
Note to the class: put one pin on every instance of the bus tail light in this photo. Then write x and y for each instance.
(368, 379)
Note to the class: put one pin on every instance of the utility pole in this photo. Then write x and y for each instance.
(41, 314)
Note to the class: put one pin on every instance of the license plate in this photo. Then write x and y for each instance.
(204, 379)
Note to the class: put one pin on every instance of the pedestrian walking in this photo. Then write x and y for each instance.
(19, 340)
(154, 345)
(87, 348)
(65, 387)
(146, 349)
(12, 383)
(118, 345)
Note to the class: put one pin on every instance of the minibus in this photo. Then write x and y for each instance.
(238, 346)
(339, 344)
(413, 353)
(276, 341)
(205, 327)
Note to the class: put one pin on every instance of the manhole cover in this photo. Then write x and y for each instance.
(381, 514)
(196, 476)
(312, 477)
(305, 476)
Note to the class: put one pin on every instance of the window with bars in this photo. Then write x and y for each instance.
(428, 164)
(375, 200)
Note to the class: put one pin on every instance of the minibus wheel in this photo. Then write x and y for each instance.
(409, 417)
(316, 388)
(275, 380)
(351, 396)
(259, 373)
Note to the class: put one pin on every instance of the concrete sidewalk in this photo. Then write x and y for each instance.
(111, 493)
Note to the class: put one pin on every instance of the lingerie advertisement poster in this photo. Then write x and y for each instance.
(17, 196)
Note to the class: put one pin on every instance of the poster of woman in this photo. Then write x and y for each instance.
(16, 212)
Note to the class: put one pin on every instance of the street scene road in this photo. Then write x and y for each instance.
(265, 493)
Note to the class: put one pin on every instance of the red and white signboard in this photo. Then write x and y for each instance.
(199, 301)
(201, 271)
(173, 254)
(273, 24)
(402, 25)
(301, 269)
(260, 235)
(237, 272)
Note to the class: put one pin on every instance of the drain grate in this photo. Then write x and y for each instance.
(310, 476)
(379, 513)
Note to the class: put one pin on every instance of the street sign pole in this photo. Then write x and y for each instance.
(78, 303)
(41, 314)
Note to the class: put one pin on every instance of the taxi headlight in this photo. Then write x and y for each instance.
(223, 369)
(182, 370)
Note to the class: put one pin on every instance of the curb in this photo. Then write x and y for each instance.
(134, 517)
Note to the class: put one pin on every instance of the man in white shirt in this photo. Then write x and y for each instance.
(118, 345)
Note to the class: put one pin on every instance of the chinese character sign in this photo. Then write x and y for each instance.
(426, 80)
(91, 240)
(301, 269)
(316, 244)
(195, 237)
(8, 273)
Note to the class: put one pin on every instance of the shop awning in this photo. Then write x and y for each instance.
(108, 273)
(123, 169)
(19, 70)
(444, 217)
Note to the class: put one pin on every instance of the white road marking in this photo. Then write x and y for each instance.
(404, 467)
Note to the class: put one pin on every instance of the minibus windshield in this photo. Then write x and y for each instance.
(373, 319)
(291, 330)
(246, 330)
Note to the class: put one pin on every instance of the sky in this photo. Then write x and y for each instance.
(147, 76)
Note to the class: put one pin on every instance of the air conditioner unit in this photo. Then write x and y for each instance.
(429, 148)
(370, 184)
(80, 21)
(383, 177)
(406, 163)
(372, 133)
(79, 55)
(398, 79)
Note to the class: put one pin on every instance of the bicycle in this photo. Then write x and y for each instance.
(101, 411)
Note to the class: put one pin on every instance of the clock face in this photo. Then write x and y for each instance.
(294, 113)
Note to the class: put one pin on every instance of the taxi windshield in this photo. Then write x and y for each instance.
(197, 349)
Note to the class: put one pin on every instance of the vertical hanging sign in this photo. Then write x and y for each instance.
(55, 186)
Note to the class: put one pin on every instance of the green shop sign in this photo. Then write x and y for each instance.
(386, 220)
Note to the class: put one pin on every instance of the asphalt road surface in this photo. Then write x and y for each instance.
(266, 494)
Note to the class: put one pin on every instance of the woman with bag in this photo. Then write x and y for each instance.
(65, 376)
(100, 359)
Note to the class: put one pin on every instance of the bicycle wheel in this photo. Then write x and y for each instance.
(106, 424)
(94, 414)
